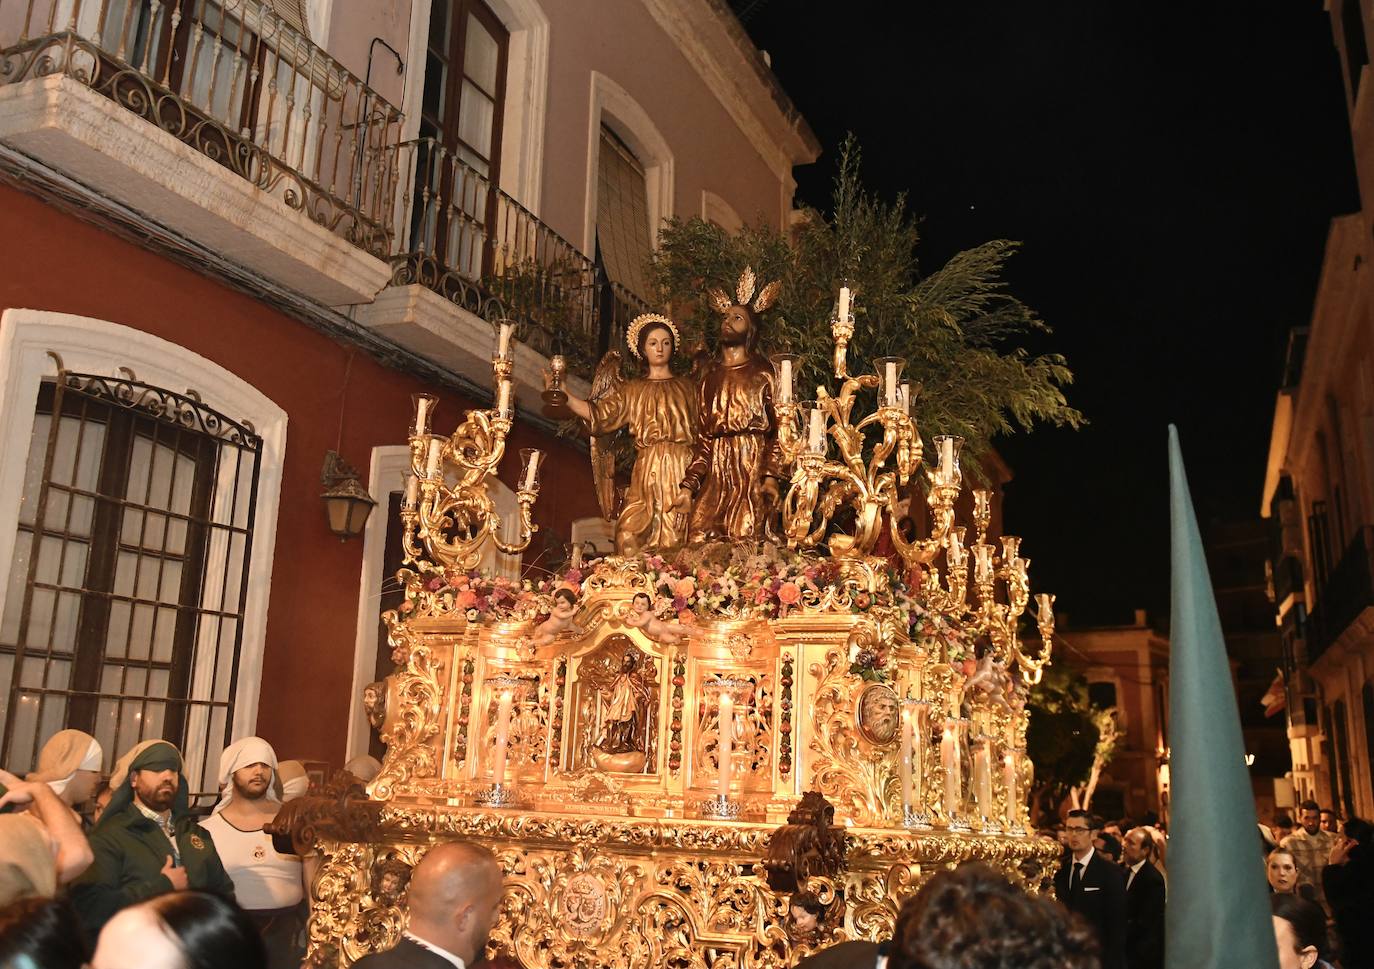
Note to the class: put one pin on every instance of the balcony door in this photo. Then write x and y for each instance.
(459, 156)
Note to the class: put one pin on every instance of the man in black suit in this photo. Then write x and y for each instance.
(454, 897)
(1095, 888)
(1144, 902)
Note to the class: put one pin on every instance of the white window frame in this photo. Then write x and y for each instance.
(722, 213)
(527, 92)
(88, 345)
(612, 106)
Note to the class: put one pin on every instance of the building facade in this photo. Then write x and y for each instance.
(240, 235)
(1319, 486)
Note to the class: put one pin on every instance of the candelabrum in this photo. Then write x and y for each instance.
(447, 513)
(820, 487)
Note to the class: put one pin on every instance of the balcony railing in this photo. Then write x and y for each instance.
(460, 236)
(1346, 593)
(234, 81)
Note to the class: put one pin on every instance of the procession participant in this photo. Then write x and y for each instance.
(69, 763)
(268, 885)
(146, 842)
(454, 897)
(41, 843)
(292, 780)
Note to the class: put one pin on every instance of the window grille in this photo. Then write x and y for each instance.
(124, 615)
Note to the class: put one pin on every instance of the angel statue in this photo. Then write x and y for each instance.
(660, 412)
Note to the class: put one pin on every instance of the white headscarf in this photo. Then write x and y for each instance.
(249, 750)
(65, 753)
(295, 782)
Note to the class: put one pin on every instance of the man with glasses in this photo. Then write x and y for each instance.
(1094, 887)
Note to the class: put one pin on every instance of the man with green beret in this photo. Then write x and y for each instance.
(146, 843)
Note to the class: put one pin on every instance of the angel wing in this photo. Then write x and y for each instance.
(606, 379)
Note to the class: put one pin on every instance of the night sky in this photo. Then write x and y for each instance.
(1171, 173)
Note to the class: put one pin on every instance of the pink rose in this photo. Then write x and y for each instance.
(467, 599)
(684, 588)
(789, 593)
(685, 617)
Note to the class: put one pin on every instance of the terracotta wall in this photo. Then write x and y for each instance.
(59, 263)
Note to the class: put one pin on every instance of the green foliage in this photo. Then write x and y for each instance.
(956, 327)
(1063, 734)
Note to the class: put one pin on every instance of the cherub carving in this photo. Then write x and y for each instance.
(641, 616)
(990, 678)
(560, 619)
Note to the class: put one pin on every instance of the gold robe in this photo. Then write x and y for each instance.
(661, 416)
(736, 448)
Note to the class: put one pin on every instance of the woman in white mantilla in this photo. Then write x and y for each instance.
(659, 411)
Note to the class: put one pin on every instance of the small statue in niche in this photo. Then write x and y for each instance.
(374, 703)
(390, 876)
(641, 616)
(623, 745)
(560, 619)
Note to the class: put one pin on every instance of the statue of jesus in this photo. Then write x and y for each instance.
(731, 483)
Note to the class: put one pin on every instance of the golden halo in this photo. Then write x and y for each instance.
(640, 322)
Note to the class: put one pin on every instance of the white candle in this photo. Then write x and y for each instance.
(890, 384)
(498, 763)
(577, 556)
(1009, 784)
(982, 563)
(412, 490)
(947, 460)
(905, 398)
(531, 471)
(436, 454)
(422, 402)
(503, 400)
(785, 382)
(905, 765)
(816, 437)
(982, 778)
(844, 304)
(918, 752)
(725, 744)
(503, 348)
(949, 759)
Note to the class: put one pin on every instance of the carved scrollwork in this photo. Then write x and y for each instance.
(413, 729)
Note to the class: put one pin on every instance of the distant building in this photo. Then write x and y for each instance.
(248, 231)
(1236, 556)
(1127, 667)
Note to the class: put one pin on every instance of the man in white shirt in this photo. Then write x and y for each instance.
(269, 886)
(454, 898)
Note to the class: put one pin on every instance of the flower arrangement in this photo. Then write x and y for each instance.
(767, 582)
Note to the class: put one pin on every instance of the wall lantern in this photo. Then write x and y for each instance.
(346, 502)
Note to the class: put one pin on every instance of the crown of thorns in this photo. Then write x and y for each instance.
(744, 292)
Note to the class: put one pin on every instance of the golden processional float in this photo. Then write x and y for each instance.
(726, 755)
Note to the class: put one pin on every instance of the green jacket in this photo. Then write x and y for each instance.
(130, 851)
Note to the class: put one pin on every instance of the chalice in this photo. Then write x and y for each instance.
(555, 397)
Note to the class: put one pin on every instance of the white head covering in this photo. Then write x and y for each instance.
(249, 750)
(65, 753)
(295, 782)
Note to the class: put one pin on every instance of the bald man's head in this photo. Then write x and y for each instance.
(454, 898)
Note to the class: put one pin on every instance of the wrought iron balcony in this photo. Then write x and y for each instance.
(236, 82)
(1344, 595)
(465, 239)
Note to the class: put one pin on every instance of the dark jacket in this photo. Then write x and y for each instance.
(1145, 918)
(1101, 899)
(1350, 893)
(843, 955)
(406, 955)
(130, 851)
